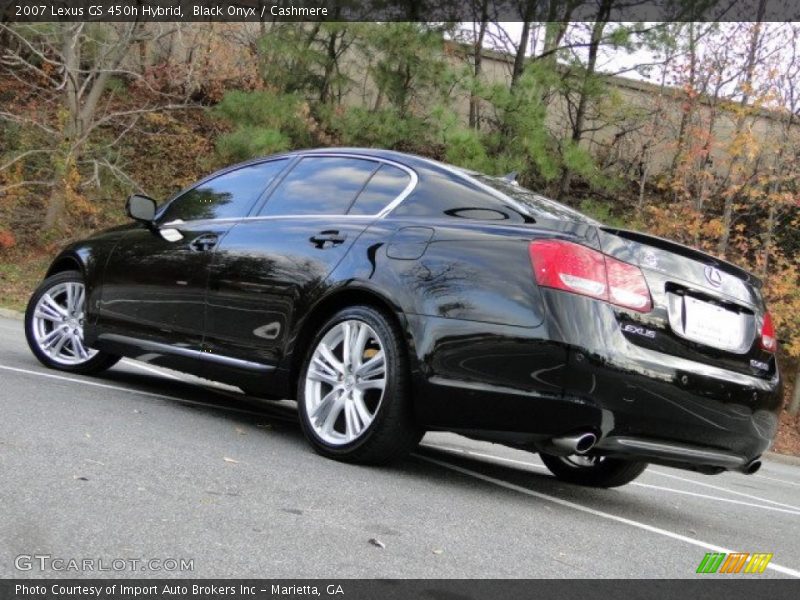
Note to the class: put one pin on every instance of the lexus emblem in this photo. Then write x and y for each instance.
(649, 259)
(713, 276)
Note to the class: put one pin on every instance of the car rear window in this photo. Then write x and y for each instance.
(448, 195)
(535, 204)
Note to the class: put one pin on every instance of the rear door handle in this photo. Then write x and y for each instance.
(328, 238)
(204, 243)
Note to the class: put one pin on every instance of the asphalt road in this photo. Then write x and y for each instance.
(147, 464)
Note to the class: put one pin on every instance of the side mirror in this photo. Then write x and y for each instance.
(141, 208)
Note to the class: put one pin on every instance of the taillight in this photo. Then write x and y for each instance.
(626, 285)
(574, 268)
(768, 340)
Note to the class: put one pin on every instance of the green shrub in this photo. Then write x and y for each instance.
(601, 211)
(264, 123)
(248, 142)
(384, 128)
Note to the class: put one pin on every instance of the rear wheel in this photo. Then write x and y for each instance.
(593, 471)
(354, 390)
(54, 326)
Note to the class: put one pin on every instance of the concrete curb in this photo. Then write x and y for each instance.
(786, 459)
(11, 314)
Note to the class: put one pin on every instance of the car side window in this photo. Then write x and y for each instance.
(320, 185)
(230, 195)
(386, 184)
(442, 195)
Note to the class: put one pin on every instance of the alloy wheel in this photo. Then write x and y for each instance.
(58, 324)
(345, 382)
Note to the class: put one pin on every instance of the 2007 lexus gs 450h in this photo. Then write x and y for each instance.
(390, 294)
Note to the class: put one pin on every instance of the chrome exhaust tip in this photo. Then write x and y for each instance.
(575, 444)
(751, 467)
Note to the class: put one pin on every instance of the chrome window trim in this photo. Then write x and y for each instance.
(261, 204)
(190, 224)
(378, 215)
(304, 216)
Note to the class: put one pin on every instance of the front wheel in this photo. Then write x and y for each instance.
(54, 326)
(354, 389)
(593, 471)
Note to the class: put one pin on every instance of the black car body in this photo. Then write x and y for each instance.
(510, 333)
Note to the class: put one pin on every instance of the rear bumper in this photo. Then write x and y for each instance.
(677, 404)
(577, 372)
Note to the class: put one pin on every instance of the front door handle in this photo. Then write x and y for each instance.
(204, 243)
(328, 238)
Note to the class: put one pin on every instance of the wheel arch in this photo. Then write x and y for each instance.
(354, 294)
(66, 262)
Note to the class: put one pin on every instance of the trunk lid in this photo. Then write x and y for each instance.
(703, 307)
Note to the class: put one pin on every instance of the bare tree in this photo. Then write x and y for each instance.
(479, 34)
(70, 66)
(595, 40)
(746, 88)
(788, 85)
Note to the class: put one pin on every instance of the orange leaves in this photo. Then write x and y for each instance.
(7, 240)
(781, 292)
(677, 221)
(711, 228)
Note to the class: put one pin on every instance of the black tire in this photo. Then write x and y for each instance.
(604, 473)
(99, 362)
(393, 433)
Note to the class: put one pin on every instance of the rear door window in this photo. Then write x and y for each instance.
(320, 185)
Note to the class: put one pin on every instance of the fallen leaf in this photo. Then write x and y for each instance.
(7, 240)
(230, 460)
(240, 431)
(88, 435)
(377, 543)
(264, 425)
(438, 551)
(96, 462)
(80, 478)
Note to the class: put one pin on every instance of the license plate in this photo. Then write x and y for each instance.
(712, 325)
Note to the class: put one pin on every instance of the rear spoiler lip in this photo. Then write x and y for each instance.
(686, 251)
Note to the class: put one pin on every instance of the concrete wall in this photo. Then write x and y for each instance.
(635, 126)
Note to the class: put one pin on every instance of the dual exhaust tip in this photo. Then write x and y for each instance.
(579, 443)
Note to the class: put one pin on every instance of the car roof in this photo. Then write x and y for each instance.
(379, 153)
(543, 206)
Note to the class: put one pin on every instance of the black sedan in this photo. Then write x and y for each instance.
(390, 294)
